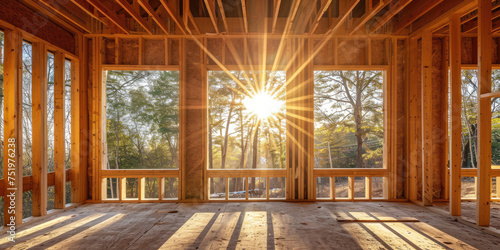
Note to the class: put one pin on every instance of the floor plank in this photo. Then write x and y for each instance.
(248, 225)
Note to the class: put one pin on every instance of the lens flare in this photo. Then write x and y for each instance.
(262, 104)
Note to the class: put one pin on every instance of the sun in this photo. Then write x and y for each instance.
(262, 104)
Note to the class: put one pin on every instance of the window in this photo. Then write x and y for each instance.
(247, 125)
(142, 111)
(348, 119)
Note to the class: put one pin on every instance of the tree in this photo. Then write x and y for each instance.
(348, 106)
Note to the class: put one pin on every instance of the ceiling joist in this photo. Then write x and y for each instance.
(210, 5)
(173, 15)
(152, 13)
(110, 14)
(135, 13)
(325, 4)
(342, 17)
(395, 9)
(358, 24)
(415, 10)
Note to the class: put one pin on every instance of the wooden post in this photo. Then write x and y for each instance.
(427, 124)
(59, 135)
(456, 116)
(39, 118)
(83, 118)
(12, 130)
(414, 126)
(484, 114)
(193, 121)
(76, 168)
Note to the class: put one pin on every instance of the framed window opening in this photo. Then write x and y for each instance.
(141, 135)
(339, 178)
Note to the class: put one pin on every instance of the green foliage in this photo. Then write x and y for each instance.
(142, 119)
(349, 124)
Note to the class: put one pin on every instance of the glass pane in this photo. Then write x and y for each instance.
(257, 188)
(348, 119)
(247, 129)
(217, 188)
(323, 188)
(277, 188)
(151, 188)
(171, 188)
(142, 114)
(341, 187)
(237, 188)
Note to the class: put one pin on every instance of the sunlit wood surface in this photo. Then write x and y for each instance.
(271, 225)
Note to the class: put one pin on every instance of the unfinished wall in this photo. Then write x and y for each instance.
(37, 24)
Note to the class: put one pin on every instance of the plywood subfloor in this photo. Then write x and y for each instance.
(271, 225)
(469, 212)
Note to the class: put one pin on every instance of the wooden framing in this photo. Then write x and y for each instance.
(456, 116)
(39, 120)
(427, 122)
(13, 187)
(59, 132)
(333, 43)
(484, 114)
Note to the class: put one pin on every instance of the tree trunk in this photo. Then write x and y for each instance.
(226, 135)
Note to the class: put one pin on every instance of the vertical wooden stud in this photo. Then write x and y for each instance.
(427, 124)
(77, 168)
(59, 135)
(484, 114)
(456, 116)
(39, 119)
(12, 82)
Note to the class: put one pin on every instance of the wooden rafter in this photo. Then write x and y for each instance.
(438, 17)
(342, 17)
(223, 15)
(56, 7)
(110, 14)
(277, 5)
(87, 8)
(244, 11)
(325, 4)
(135, 13)
(395, 9)
(172, 14)
(414, 11)
(151, 12)
(291, 17)
(367, 16)
(210, 4)
(472, 25)
(191, 18)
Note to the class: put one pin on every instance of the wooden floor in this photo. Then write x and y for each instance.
(271, 225)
